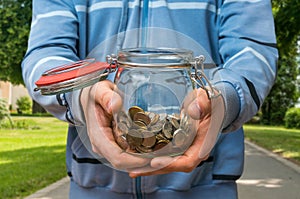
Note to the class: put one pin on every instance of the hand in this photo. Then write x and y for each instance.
(200, 109)
(99, 102)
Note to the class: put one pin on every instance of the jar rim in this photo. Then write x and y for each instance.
(155, 57)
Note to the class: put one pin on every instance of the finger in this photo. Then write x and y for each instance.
(155, 167)
(105, 95)
(168, 169)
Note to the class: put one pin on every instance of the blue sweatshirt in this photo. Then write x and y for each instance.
(237, 35)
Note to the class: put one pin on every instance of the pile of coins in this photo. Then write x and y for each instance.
(146, 132)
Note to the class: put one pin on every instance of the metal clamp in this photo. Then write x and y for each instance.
(200, 78)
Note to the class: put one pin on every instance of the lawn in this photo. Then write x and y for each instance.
(285, 142)
(31, 158)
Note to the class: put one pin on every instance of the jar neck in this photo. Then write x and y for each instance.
(155, 57)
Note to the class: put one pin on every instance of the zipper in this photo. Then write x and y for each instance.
(145, 22)
(138, 188)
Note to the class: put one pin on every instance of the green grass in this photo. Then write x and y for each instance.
(285, 142)
(31, 158)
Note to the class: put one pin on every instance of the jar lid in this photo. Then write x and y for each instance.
(72, 76)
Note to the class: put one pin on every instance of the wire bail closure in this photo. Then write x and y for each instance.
(200, 78)
(112, 60)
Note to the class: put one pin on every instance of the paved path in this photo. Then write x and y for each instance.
(266, 176)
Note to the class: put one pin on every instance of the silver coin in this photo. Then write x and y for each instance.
(174, 122)
(134, 138)
(122, 126)
(167, 129)
(154, 118)
(179, 137)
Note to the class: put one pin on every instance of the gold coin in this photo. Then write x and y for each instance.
(141, 116)
(160, 144)
(160, 136)
(142, 149)
(133, 110)
(149, 139)
(139, 124)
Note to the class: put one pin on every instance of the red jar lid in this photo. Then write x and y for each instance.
(71, 76)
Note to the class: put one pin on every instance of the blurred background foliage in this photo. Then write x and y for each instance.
(15, 19)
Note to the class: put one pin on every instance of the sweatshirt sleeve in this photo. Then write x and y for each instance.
(247, 46)
(52, 42)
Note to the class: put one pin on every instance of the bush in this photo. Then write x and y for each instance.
(292, 118)
(24, 104)
(4, 112)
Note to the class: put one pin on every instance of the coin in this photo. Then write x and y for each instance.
(146, 132)
(167, 129)
(134, 138)
(122, 142)
(143, 149)
(179, 138)
(149, 139)
(174, 121)
(122, 126)
(154, 118)
(157, 127)
(133, 110)
(141, 116)
(161, 144)
(122, 117)
(139, 124)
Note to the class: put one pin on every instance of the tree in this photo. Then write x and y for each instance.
(284, 93)
(15, 19)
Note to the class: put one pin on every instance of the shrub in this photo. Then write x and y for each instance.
(4, 112)
(292, 118)
(24, 104)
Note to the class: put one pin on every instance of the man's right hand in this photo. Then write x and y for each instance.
(99, 102)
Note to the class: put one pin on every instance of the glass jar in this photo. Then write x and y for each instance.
(155, 86)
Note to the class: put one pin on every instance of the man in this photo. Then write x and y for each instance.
(235, 33)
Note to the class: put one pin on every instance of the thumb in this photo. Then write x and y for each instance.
(194, 110)
(105, 95)
(200, 106)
